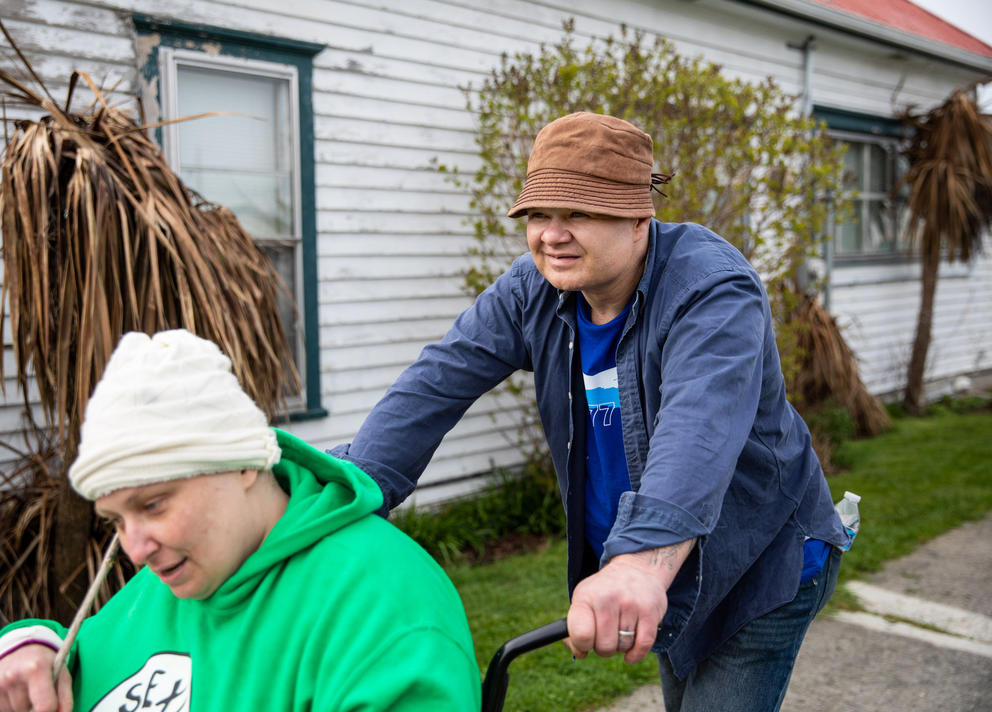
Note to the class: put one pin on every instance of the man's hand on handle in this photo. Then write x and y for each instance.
(26, 682)
(618, 609)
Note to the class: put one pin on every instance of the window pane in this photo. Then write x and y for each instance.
(853, 167)
(283, 258)
(878, 179)
(872, 167)
(263, 203)
(903, 241)
(902, 165)
(242, 161)
(849, 235)
(882, 239)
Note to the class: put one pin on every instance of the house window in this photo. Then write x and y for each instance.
(877, 226)
(254, 156)
(873, 167)
(248, 162)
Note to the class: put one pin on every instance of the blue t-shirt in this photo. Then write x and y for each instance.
(607, 476)
(606, 463)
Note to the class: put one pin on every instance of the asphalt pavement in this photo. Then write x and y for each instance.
(925, 642)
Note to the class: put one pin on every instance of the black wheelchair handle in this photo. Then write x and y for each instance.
(498, 677)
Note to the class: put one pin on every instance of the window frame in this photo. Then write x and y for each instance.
(863, 198)
(220, 48)
(866, 129)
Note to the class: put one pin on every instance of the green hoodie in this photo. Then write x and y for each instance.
(336, 610)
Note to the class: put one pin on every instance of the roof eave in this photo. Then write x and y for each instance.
(868, 29)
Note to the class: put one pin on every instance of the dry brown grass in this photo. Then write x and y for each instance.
(828, 372)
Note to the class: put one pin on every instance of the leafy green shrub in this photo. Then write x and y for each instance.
(525, 503)
(896, 410)
(832, 423)
(960, 404)
(745, 163)
(949, 403)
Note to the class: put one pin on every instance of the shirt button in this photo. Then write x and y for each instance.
(570, 345)
(570, 396)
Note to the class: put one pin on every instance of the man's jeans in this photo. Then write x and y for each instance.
(751, 671)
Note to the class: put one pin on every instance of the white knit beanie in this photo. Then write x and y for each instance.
(166, 408)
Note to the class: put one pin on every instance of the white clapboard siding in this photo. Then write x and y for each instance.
(362, 64)
(488, 420)
(879, 320)
(84, 44)
(379, 327)
(376, 202)
(389, 95)
(380, 178)
(14, 395)
(413, 244)
(336, 153)
(360, 128)
(378, 309)
(61, 13)
(337, 294)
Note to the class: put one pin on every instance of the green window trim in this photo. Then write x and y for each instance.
(856, 122)
(245, 45)
(862, 131)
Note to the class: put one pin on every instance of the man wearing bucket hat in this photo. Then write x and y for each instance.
(266, 582)
(693, 497)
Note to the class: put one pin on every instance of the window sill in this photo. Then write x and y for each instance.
(298, 416)
(854, 272)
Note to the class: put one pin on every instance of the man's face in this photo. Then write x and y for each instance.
(598, 255)
(192, 533)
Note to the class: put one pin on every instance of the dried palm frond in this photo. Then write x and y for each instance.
(100, 237)
(950, 203)
(950, 175)
(27, 503)
(828, 372)
(28, 496)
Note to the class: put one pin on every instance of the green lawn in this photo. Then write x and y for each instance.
(922, 478)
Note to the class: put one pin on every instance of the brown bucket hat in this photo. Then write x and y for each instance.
(591, 162)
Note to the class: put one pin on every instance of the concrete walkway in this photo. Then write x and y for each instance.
(925, 644)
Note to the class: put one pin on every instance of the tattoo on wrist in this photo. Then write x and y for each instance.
(668, 557)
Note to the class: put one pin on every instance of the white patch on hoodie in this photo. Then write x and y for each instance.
(163, 684)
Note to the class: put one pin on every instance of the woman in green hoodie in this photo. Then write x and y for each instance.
(266, 580)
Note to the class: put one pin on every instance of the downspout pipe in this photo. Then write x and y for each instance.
(807, 47)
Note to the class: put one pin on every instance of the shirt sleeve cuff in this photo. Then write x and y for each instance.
(395, 488)
(19, 637)
(645, 522)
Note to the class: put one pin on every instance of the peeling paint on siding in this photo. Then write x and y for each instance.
(13, 8)
(144, 47)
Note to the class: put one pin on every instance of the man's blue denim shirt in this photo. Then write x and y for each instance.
(714, 449)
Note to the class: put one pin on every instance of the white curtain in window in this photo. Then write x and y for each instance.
(243, 161)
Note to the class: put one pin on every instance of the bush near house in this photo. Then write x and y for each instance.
(515, 513)
(743, 162)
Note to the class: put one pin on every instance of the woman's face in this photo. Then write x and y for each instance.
(192, 533)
